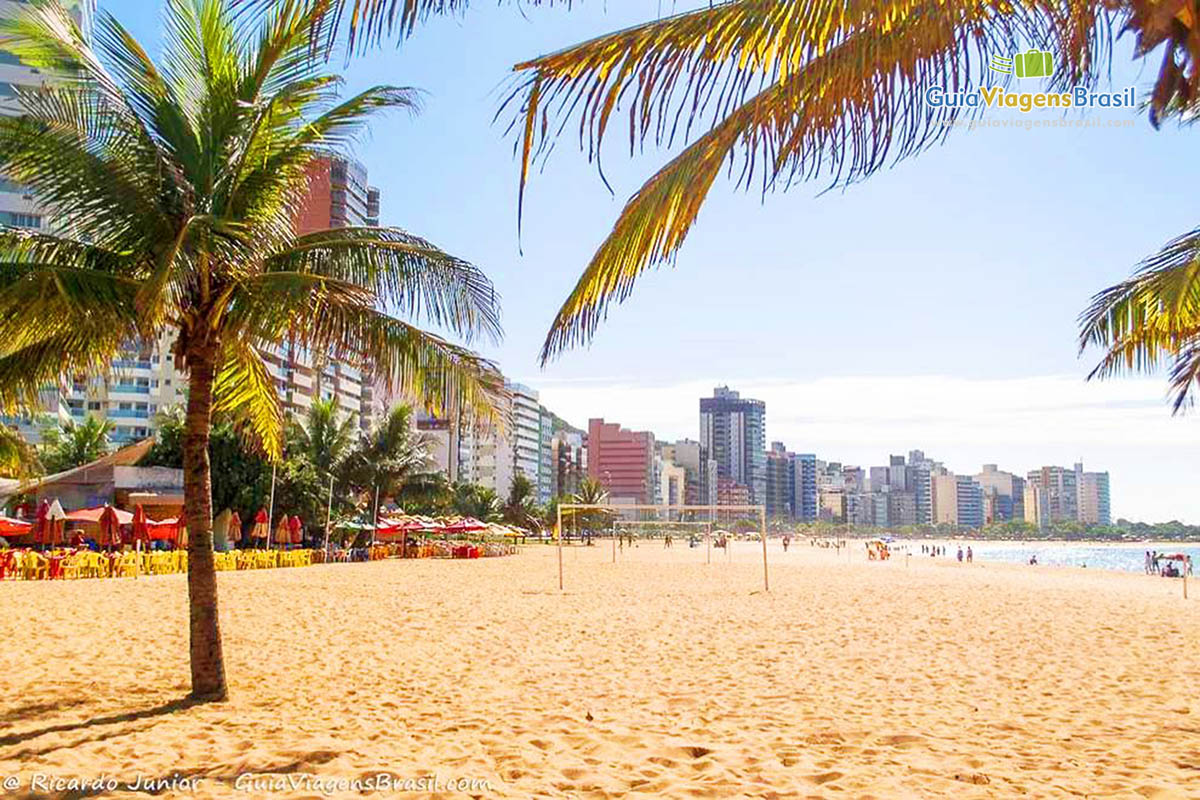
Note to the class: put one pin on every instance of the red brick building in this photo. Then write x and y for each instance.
(621, 460)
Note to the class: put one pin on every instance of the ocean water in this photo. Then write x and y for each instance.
(1123, 557)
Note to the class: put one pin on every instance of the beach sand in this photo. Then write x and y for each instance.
(658, 676)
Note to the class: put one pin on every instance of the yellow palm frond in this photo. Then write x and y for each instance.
(1151, 319)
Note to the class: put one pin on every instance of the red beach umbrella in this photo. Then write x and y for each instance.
(56, 519)
(110, 527)
(235, 528)
(283, 534)
(296, 529)
(41, 523)
(261, 531)
(141, 528)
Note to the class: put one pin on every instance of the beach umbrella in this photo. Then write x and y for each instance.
(235, 528)
(14, 527)
(260, 531)
(57, 519)
(181, 533)
(110, 528)
(221, 531)
(141, 530)
(283, 534)
(296, 529)
(41, 523)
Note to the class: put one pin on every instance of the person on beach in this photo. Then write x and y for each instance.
(970, 555)
(1033, 560)
(960, 554)
(1154, 562)
(786, 541)
(1147, 567)
(667, 540)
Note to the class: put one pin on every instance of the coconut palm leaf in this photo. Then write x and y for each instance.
(1151, 319)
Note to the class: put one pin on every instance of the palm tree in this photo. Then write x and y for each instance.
(393, 458)
(480, 502)
(324, 440)
(175, 186)
(18, 458)
(70, 444)
(782, 91)
(593, 493)
(521, 506)
(1151, 319)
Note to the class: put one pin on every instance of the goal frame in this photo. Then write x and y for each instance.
(712, 511)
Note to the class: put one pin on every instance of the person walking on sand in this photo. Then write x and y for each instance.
(667, 540)
(970, 554)
(1147, 567)
(960, 554)
(786, 541)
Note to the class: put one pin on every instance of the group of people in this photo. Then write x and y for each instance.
(1158, 564)
(935, 550)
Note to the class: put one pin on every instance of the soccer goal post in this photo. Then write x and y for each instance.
(620, 509)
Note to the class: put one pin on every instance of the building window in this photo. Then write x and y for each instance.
(93, 405)
(16, 219)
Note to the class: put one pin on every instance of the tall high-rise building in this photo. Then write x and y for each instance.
(781, 483)
(1005, 493)
(957, 500)
(804, 490)
(1093, 504)
(733, 431)
(338, 196)
(700, 470)
(1061, 493)
(568, 450)
(531, 434)
(622, 461)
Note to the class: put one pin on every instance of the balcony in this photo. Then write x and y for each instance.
(128, 413)
(128, 363)
(128, 388)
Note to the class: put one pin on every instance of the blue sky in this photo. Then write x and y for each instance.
(931, 307)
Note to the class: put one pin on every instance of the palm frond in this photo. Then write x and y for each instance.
(404, 273)
(843, 114)
(1151, 318)
(245, 390)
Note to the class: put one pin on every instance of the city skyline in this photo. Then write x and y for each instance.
(933, 290)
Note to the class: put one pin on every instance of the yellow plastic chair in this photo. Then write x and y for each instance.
(36, 567)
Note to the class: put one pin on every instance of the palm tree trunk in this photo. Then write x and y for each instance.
(208, 663)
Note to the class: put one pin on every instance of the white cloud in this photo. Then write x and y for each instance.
(1122, 426)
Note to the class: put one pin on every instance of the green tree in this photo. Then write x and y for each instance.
(18, 458)
(521, 506)
(392, 459)
(592, 492)
(324, 440)
(69, 444)
(480, 502)
(175, 186)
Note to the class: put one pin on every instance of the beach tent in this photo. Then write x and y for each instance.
(166, 530)
(93, 515)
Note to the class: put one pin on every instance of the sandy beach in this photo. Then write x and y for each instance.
(658, 676)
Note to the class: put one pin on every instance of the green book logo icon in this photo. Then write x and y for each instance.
(1033, 64)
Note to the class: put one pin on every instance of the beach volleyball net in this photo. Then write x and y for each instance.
(710, 525)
